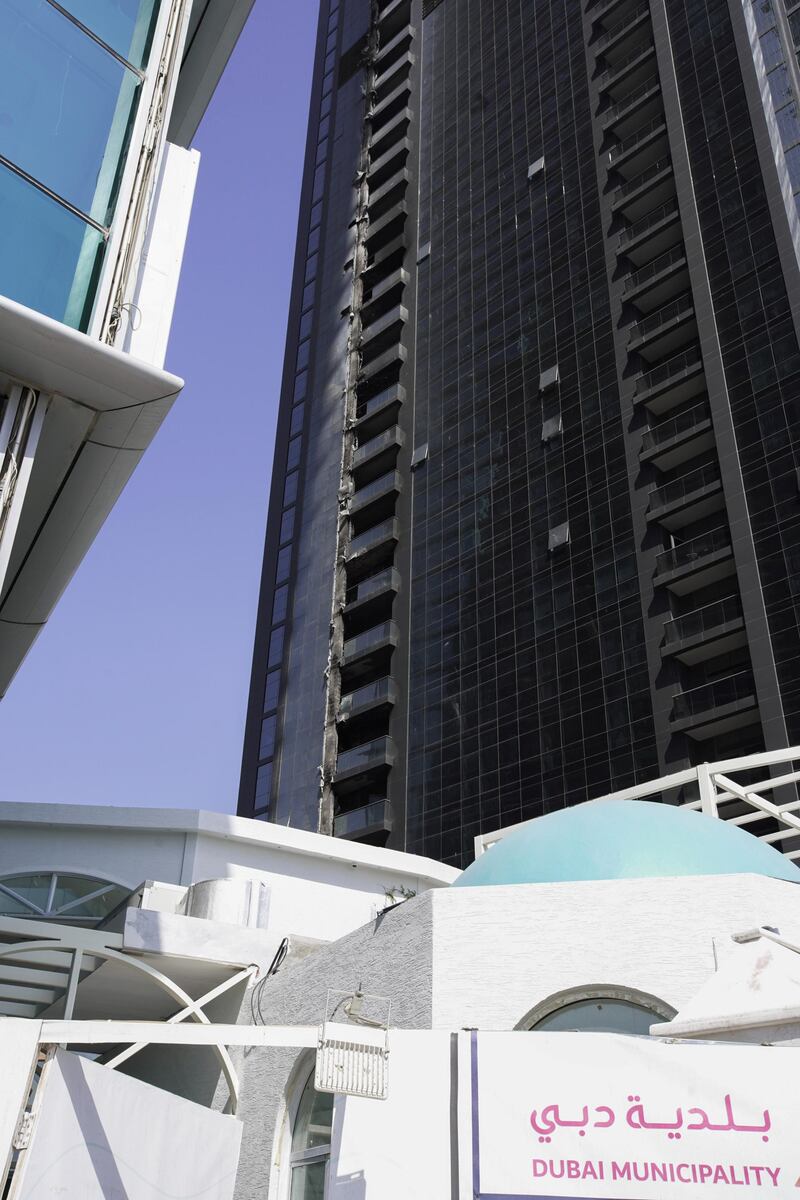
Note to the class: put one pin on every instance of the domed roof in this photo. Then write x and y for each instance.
(624, 839)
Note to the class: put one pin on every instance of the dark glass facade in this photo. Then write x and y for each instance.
(534, 535)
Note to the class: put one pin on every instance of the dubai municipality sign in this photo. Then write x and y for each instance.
(605, 1116)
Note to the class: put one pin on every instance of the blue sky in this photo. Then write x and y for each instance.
(135, 692)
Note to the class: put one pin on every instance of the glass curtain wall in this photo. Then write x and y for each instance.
(70, 83)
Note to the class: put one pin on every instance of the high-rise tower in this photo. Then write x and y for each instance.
(534, 526)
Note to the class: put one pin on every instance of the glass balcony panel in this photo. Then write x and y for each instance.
(383, 581)
(371, 693)
(662, 263)
(632, 98)
(621, 26)
(634, 139)
(632, 185)
(648, 221)
(640, 52)
(69, 106)
(363, 756)
(373, 537)
(668, 430)
(704, 619)
(49, 258)
(694, 550)
(377, 812)
(713, 695)
(676, 489)
(663, 316)
(666, 370)
(365, 641)
(126, 28)
(389, 437)
(378, 487)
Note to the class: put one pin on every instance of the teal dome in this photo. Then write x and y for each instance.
(624, 839)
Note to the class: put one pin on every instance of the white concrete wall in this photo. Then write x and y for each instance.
(498, 951)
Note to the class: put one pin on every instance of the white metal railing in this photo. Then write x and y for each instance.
(720, 795)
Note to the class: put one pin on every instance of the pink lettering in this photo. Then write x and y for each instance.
(539, 1168)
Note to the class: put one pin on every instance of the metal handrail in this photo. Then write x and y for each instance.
(667, 209)
(713, 695)
(683, 304)
(632, 185)
(677, 489)
(694, 550)
(710, 616)
(665, 370)
(654, 267)
(632, 97)
(652, 438)
(371, 638)
(633, 139)
(606, 38)
(604, 79)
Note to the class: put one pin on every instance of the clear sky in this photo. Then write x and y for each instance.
(135, 692)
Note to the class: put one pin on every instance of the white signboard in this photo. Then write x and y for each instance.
(605, 1116)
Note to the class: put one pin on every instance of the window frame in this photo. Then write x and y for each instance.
(598, 991)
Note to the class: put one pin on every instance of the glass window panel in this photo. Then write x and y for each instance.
(287, 525)
(602, 1015)
(283, 565)
(793, 167)
(327, 86)
(331, 42)
(325, 106)
(322, 150)
(319, 187)
(333, 20)
(330, 59)
(33, 888)
(779, 86)
(305, 324)
(300, 386)
(303, 351)
(316, 215)
(312, 1125)
(313, 241)
(263, 788)
(266, 746)
(311, 265)
(764, 14)
(293, 454)
(308, 294)
(280, 603)
(49, 259)
(772, 49)
(794, 25)
(67, 106)
(324, 127)
(124, 25)
(275, 649)
(789, 124)
(297, 419)
(290, 488)
(272, 691)
(308, 1182)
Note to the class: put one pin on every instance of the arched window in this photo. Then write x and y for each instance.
(602, 1009)
(311, 1143)
(60, 896)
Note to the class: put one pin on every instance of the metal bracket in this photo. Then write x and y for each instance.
(24, 1130)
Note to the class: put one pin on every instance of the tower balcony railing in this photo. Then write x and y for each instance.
(380, 691)
(387, 580)
(370, 755)
(618, 30)
(374, 817)
(703, 620)
(700, 701)
(648, 222)
(385, 485)
(676, 310)
(641, 180)
(376, 535)
(630, 101)
(658, 265)
(679, 489)
(694, 551)
(633, 140)
(620, 68)
(390, 439)
(666, 371)
(689, 419)
(385, 634)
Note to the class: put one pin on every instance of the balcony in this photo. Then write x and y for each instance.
(380, 693)
(388, 79)
(384, 332)
(381, 232)
(714, 629)
(382, 371)
(636, 151)
(391, 19)
(670, 383)
(651, 234)
(618, 35)
(628, 70)
(394, 50)
(652, 186)
(368, 821)
(599, 11)
(653, 284)
(680, 439)
(377, 455)
(665, 330)
(363, 764)
(384, 198)
(375, 501)
(642, 103)
(367, 656)
(390, 161)
(370, 600)
(714, 708)
(371, 547)
(697, 562)
(688, 498)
